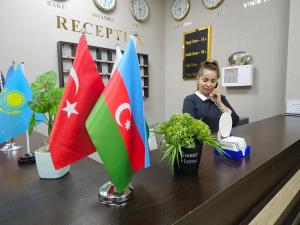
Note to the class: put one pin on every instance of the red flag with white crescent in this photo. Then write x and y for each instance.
(69, 140)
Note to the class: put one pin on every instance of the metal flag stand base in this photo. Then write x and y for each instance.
(108, 196)
(10, 146)
(28, 157)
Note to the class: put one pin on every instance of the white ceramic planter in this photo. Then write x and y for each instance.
(46, 168)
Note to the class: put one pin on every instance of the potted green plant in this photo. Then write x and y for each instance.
(183, 140)
(45, 99)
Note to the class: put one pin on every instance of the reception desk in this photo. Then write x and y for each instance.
(224, 192)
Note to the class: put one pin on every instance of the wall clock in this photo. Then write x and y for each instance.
(106, 5)
(180, 9)
(212, 4)
(139, 9)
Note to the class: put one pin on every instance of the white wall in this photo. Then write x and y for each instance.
(29, 33)
(293, 74)
(260, 30)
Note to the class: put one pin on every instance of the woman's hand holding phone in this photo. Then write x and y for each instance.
(216, 94)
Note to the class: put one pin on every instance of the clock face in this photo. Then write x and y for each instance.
(180, 9)
(106, 5)
(139, 9)
(212, 4)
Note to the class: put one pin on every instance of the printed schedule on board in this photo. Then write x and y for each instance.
(196, 50)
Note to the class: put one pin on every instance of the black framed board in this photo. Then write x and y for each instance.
(197, 48)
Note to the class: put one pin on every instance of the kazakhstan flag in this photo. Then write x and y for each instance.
(15, 114)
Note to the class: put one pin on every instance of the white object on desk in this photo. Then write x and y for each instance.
(230, 142)
(225, 125)
(235, 144)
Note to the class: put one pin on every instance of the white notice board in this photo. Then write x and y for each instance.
(293, 106)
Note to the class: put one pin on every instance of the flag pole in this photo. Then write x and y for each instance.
(27, 142)
(83, 31)
(1, 87)
(135, 35)
(27, 157)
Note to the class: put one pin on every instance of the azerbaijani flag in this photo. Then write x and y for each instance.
(116, 124)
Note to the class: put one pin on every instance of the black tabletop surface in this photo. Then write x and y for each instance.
(159, 197)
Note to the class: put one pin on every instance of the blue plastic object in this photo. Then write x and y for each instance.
(233, 154)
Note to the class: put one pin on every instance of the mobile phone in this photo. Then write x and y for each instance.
(218, 84)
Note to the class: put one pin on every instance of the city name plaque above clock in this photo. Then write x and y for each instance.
(106, 5)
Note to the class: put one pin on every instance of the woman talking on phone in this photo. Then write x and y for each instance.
(207, 103)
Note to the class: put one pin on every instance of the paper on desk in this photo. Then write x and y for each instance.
(293, 106)
(234, 144)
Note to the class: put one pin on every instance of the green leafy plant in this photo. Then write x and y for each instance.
(182, 130)
(45, 99)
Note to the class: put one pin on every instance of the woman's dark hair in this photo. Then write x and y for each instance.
(209, 65)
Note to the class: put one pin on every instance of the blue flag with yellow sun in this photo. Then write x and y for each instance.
(15, 114)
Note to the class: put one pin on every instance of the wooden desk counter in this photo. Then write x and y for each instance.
(224, 190)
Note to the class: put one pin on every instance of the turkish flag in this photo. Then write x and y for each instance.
(69, 140)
